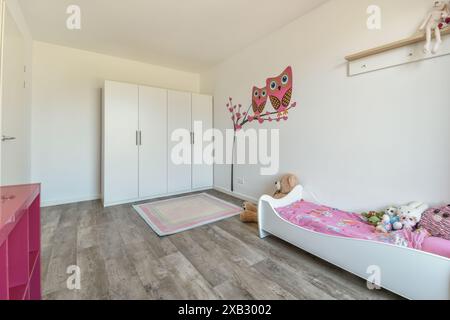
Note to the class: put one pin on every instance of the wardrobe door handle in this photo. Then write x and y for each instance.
(6, 138)
(137, 137)
(140, 138)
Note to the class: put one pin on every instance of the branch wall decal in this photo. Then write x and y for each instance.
(278, 91)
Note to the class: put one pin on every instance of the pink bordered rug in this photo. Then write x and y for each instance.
(176, 215)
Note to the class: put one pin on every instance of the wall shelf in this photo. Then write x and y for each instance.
(419, 37)
(394, 54)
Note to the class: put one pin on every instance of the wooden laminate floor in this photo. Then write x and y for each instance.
(120, 257)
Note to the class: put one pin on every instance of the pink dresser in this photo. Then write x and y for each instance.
(20, 243)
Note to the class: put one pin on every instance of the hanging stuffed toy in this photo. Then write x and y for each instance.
(434, 22)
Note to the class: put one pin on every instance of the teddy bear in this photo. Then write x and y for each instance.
(390, 221)
(410, 215)
(283, 186)
(250, 213)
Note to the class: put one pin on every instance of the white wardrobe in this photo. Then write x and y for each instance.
(138, 122)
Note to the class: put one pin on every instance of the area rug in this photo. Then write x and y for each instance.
(176, 215)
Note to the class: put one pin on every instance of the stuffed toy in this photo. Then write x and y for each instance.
(411, 214)
(390, 221)
(406, 217)
(284, 187)
(434, 23)
(373, 217)
(250, 213)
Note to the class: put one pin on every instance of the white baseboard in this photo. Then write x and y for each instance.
(236, 194)
(53, 203)
(117, 203)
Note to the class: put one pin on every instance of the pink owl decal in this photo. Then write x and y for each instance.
(259, 100)
(279, 90)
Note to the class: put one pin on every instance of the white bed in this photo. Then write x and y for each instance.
(410, 273)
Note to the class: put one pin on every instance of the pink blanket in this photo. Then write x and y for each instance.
(345, 224)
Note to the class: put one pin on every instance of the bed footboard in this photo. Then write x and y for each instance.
(267, 203)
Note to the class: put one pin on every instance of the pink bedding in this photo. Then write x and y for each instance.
(345, 224)
(437, 246)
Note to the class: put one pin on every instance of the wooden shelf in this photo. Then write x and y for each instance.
(393, 45)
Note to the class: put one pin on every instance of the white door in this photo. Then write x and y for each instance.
(202, 115)
(153, 142)
(179, 122)
(2, 14)
(121, 152)
(15, 126)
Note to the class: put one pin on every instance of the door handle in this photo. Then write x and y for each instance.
(6, 138)
(139, 138)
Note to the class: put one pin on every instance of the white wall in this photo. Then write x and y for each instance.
(357, 143)
(66, 115)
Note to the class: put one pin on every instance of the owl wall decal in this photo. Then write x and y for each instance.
(279, 90)
(259, 100)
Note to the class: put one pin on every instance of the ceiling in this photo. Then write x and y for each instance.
(190, 35)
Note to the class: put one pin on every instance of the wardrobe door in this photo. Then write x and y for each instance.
(120, 153)
(153, 142)
(179, 117)
(202, 113)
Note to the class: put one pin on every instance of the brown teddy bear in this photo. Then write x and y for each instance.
(250, 213)
(284, 187)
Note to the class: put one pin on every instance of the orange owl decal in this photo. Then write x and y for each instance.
(259, 100)
(279, 90)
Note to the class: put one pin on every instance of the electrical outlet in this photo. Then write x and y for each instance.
(240, 181)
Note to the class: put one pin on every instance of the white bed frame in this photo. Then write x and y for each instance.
(410, 273)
